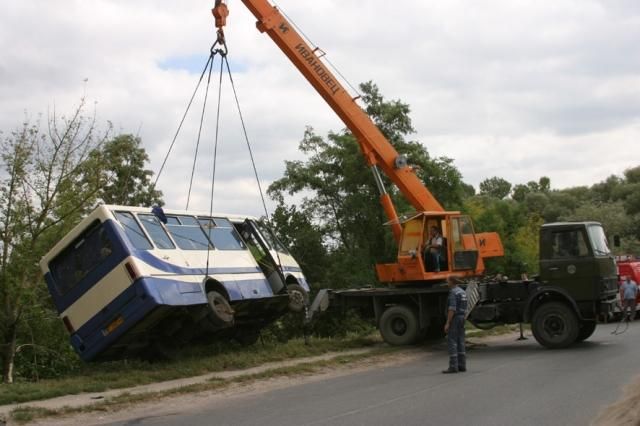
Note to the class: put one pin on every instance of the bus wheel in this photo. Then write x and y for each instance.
(298, 297)
(220, 312)
(555, 325)
(399, 325)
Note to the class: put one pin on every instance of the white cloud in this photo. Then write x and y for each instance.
(518, 89)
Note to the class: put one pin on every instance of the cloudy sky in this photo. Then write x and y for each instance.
(511, 88)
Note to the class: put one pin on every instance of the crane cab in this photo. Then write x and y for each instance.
(434, 245)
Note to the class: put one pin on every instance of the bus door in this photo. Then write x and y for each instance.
(261, 251)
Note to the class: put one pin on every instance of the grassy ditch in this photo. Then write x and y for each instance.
(119, 402)
(100, 377)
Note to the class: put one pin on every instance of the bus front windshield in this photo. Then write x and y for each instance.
(598, 240)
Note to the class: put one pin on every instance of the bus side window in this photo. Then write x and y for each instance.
(187, 233)
(222, 233)
(133, 230)
(156, 231)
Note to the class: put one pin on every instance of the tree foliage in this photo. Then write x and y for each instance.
(120, 166)
(49, 179)
(44, 192)
(495, 187)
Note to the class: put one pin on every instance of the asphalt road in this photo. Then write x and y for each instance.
(508, 383)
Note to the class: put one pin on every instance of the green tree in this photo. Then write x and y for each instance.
(495, 187)
(520, 191)
(120, 165)
(43, 194)
(632, 175)
(48, 181)
(544, 184)
(305, 242)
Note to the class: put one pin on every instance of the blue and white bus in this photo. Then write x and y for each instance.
(128, 278)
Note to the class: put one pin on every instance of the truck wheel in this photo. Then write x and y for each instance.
(586, 330)
(399, 325)
(298, 297)
(220, 312)
(555, 325)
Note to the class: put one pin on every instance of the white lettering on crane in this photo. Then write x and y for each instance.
(318, 67)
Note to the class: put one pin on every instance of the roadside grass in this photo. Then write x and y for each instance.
(100, 377)
(27, 414)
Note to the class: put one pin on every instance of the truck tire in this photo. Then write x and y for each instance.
(221, 313)
(399, 325)
(586, 330)
(555, 325)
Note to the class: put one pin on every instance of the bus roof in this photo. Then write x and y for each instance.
(231, 216)
(102, 209)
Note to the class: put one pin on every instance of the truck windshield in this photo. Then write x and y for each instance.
(598, 240)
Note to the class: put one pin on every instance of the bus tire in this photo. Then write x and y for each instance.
(298, 297)
(586, 330)
(220, 311)
(555, 325)
(399, 325)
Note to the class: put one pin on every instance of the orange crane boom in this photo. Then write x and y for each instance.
(375, 146)
(379, 153)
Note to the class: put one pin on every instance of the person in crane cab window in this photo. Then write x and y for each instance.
(628, 293)
(454, 327)
(433, 250)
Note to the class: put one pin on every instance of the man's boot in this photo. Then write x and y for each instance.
(462, 362)
(453, 365)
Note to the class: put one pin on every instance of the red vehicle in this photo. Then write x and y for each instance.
(629, 266)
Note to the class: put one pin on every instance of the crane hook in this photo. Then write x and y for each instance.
(220, 12)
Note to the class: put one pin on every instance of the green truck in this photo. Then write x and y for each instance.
(576, 287)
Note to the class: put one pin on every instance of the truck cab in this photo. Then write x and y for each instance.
(575, 257)
(577, 285)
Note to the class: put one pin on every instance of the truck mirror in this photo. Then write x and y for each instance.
(616, 240)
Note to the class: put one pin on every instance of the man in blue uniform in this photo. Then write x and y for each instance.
(628, 292)
(456, 308)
